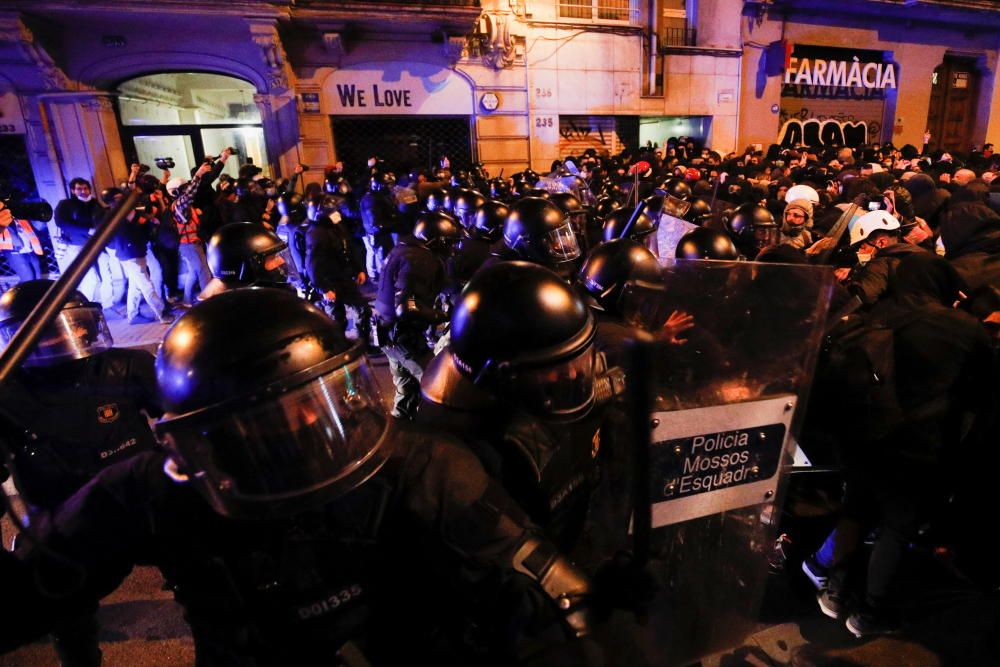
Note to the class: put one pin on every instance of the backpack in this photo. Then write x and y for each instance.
(856, 375)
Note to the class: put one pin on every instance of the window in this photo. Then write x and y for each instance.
(600, 10)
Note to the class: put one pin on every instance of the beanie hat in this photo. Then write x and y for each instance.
(805, 206)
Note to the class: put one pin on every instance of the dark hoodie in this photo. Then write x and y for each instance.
(944, 366)
(870, 281)
(928, 199)
(970, 232)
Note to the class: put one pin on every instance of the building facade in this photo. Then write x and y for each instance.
(866, 71)
(87, 89)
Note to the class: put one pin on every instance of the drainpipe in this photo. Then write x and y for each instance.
(653, 47)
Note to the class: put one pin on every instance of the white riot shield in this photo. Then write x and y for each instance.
(723, 410)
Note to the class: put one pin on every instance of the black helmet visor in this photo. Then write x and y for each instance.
(563, 245)
(74, 334)
(561, 390)
(306, 445)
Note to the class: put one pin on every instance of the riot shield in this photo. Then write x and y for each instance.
(722, 409)
(668, 234)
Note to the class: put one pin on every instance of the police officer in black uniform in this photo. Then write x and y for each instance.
(414, 276)
(466, 203)
(246, 254)
(603, 279)
(378, 218)
(331, 266)
(474, 248)
(517, 382)
(579, 217)
(536, 230)
(290, 514)
(76, 407)
(752, 228)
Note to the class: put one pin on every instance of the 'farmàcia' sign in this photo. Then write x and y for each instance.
(846, 72)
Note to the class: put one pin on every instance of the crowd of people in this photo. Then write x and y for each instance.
(290, 510)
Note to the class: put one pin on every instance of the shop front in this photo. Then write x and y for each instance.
(410, 115)
(836, 97)
(868, 73)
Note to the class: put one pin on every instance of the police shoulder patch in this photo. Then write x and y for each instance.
(107, 414)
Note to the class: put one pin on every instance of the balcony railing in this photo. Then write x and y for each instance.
(678, 37)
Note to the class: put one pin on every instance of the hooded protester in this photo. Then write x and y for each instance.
(970, 232)
(875, 237)
(929, 200)
(796, 222)
(942, 377)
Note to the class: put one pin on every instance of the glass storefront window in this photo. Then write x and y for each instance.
(187, 99)
(248, 142)
(187, 116)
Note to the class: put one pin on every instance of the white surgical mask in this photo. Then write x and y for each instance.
(865, 257)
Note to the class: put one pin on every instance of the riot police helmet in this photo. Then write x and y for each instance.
(338, 186)
(438, 199)
(379, 181)
(78, 331)
(611, 265)
(677, 188)
(524, 335)
(438, 231)
(499, 188)
(705, 243)
(616, 222)
(465, 203)
(605, 205)
(540, 193)
(489, 221)
(567, 201)
(290, 205)
(574, 209)
(537, 230)
(461, 179)
(246, 253)
(752, 228)
(699, 213)
(272, 423)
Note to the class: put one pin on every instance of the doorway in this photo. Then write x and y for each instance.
(188, 115)
(954, 97)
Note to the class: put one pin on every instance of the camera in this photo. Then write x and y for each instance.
(39, 211)
(210, 159)
(875, 203)
(163, 163)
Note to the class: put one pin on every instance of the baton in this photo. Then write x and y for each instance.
(639, 210)
(640, 406)
(715, 191)
(837, 232)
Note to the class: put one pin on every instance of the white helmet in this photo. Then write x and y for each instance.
(802, 192)
(174, 184)
(871, 222)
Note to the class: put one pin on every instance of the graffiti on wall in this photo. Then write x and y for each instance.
(804, 127)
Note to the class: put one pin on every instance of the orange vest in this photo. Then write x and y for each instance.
(188, 231)
(7, 237)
